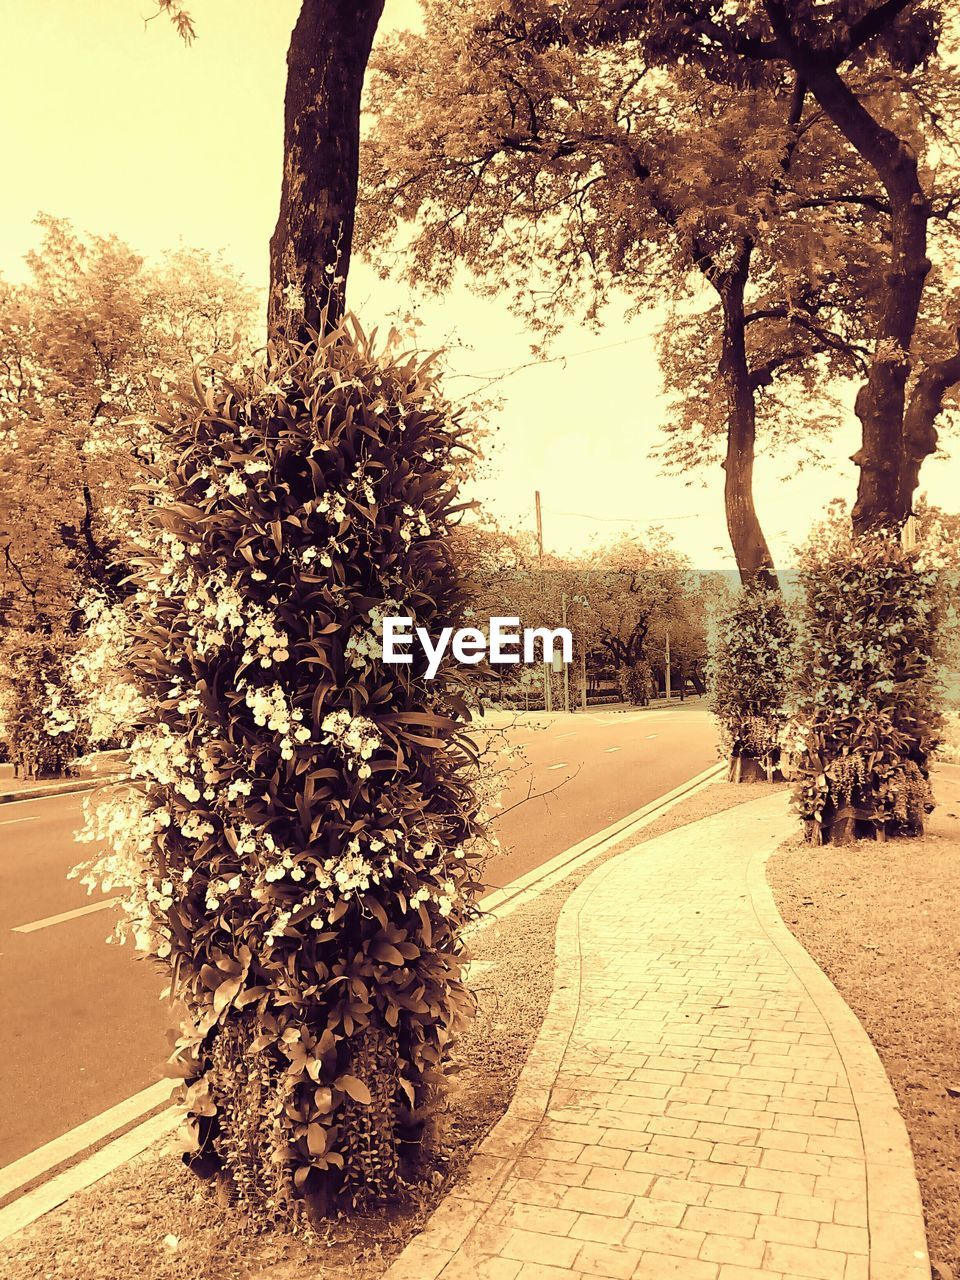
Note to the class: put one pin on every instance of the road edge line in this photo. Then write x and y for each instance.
(55, 1192)
(560, 865)
(57, 1151)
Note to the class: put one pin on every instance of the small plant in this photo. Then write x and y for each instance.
(749, 675)
(302, 848)
(868, 713)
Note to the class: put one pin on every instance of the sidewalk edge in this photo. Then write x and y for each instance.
(42, 792)
(895, 1223)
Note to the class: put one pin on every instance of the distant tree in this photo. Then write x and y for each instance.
(87, 344)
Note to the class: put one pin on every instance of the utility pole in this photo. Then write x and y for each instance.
(547, 690)
(566, 669)
(666, 667)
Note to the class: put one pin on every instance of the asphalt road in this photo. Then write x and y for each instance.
(83, 1023)
(584, 771)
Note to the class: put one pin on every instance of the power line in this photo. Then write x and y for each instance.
(508, 371)
(584, 515)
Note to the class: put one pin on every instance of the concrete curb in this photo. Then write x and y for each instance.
(898, 1237)
(458, 1213)
(60, 788)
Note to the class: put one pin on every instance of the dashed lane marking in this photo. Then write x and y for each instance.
(45, 923)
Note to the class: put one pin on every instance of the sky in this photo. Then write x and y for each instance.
(113, 123)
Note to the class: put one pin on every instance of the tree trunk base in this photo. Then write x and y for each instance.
(851, 830)
(747, 769)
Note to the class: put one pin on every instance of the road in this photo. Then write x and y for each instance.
(84, 1026)
(585, 771)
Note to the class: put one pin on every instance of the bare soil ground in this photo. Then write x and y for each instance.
(882, 922)
(154, 1220)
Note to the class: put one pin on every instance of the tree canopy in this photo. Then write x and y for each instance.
(565, 153)
(87, 344)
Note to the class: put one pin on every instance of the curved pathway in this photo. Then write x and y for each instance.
(700, 1103)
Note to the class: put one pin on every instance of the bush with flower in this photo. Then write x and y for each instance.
(301, 843)
(45, 724)
(868, 697)
(750, 672)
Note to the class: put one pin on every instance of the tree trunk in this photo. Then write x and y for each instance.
(888, 477)
(746, 536)
(310, 248)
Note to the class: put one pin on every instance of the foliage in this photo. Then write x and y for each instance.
(302, 849)
(87, 345)
(636, 683)
(42, 720)
(868, 714)
(749, 673)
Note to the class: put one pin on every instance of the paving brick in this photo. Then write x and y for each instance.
(742, 1199)
(550, 1221)
(800, 1184)
(733, 1249)
(617, 1261)
(670, 1241)
(720, 1221)
(632, 1184)
(610, 1204)
(679, 1190)
(593, 1226)
(819, 1264)
(854, 1240)
(727, 1175)
(787, 1230)
(656, 1267)
(736, 1272)
(816, 1208)
(533, 1246)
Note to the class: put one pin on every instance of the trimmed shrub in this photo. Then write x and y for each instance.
(749, 677)
(302, 849)
(868, 714)
(636, 683)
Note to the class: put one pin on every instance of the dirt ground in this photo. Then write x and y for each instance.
(882, 921)
(153, 1220)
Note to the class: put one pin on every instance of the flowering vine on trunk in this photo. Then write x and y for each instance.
(299, 848)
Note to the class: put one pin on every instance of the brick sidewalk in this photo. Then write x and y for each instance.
(687, 1111)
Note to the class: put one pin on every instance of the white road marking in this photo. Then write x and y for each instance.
(34, 925)
(71, 1143)
(8, 822)
(571, 734)
(561, 765)
(651, 735)
(609, 749)
(19, 1213)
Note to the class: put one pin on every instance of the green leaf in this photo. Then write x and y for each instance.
(357, 1090)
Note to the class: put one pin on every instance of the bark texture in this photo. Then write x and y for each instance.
(897, 434)
(750, 547)
(310, 248)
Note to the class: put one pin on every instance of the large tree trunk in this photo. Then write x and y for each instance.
(310, 248)
(746, 536)
(889, 462)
